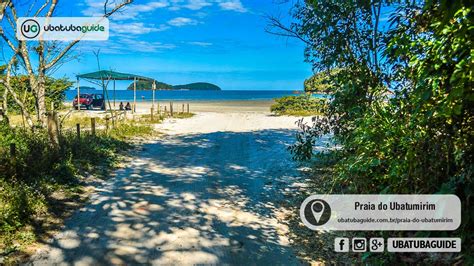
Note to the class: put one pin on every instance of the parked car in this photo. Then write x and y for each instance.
(90, 101)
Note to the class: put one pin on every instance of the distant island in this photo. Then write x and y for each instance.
(197, 86)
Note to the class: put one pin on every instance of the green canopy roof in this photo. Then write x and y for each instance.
(107, 74)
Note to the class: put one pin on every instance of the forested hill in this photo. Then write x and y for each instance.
(147, 85)
(203, 86)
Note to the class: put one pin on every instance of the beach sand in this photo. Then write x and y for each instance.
(144, 107)
(208, 106)
(208, 191)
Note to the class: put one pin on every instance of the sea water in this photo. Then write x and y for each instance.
(188, 95)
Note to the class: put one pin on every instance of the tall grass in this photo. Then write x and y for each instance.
(28, 179)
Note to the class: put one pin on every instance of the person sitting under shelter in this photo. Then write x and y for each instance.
(128, 107)
(121, 106)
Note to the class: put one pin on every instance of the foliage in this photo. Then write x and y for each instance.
(126, 130)
(28, 179)
(148, 85)
(203, 86)
(418, 140)
(319, 82)
(302, 105)
(54, 94)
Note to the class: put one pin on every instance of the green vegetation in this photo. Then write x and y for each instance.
(54, 93)
(301, 105)
(41, 184)
(124, 131)
(32, 177)
(198, 86)
(148, 85)
(319, 82)
(163, 116)
(416, 138)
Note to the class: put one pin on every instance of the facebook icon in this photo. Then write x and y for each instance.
(341, 244)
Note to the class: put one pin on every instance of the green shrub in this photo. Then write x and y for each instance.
(126, 131)
(302, 105)
(28, 179)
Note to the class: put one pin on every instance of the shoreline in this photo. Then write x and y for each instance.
(217, 106)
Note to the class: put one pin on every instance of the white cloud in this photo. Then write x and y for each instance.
(136, 11)
(136, 28)
(182, 21)
(197, 4)
(124, 44)
(202, 44)
(144, 46)
(233, 5)
(132, 11)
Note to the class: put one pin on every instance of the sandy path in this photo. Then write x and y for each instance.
(207, 193)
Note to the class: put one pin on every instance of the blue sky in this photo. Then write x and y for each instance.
(181, 41)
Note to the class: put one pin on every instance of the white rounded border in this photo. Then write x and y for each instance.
(302, 216)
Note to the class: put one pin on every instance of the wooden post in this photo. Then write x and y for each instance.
(107, 124)
(78, 130)
(53, 128)
(171, 109)
(182, 110)
(114, 117)
(93, 126)
(188, 108)
(12, 150)
(151, 114)
(165, 110)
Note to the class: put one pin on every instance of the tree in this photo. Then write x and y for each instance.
(148, 85)
(320, 82)
(420, 140)
(49, 54)
(344, 36)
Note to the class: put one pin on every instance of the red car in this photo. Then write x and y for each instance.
(89, 101)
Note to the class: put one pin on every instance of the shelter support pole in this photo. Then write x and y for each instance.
(154, 88)
(78, 96)
(134, 94)
(114, 94)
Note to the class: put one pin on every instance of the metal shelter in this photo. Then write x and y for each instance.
(105, 76)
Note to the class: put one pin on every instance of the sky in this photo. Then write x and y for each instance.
(182, 41)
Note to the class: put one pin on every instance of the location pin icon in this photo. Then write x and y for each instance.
(317, 214)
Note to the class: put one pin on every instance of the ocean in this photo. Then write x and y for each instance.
(184, 95)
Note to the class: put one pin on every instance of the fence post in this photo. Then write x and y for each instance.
(165, 110)
(188, 107)
(93, 126)
(107, 124)
(53, 128)
(182, 109)
(78, 130)
(151, 114)
(13, 150)
(171, 109)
